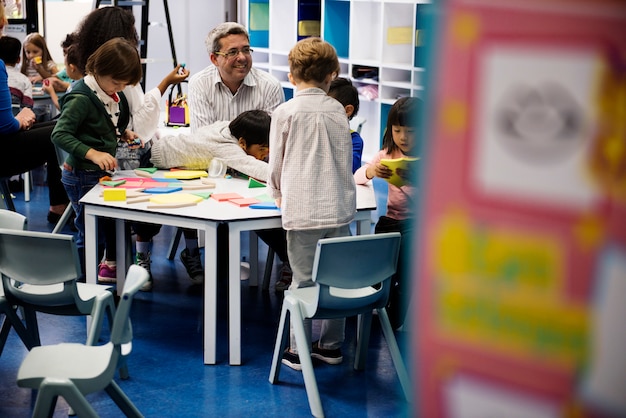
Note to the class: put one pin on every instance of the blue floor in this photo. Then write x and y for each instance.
(167, 374)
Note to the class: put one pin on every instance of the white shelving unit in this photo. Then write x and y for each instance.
(379, 35)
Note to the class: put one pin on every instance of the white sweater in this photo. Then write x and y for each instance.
(195, 151)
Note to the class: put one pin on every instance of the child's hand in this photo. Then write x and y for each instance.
(47, 87)
(177, 75)
(378, 170)
(26, 118)
(132, 139)
(278, 202)
(35, 79)
(104, 160)
(57, 84)
(406, 176)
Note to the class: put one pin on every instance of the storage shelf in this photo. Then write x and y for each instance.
(381, 34)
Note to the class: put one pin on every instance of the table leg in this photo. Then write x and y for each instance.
(234, 297)
(210, 293)
(91, 253)
(254, 258)
(120, 241)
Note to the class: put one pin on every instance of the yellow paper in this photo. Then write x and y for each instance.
(111, 195)
(167, 198)
(398, 163)
(309, 28)
(399, 35)
(185, 174)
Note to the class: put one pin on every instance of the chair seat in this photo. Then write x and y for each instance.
(35, 294)
(67, 361)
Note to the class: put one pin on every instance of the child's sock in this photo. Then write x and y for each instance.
(143, 247)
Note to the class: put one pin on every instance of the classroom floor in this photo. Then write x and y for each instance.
(167, 374)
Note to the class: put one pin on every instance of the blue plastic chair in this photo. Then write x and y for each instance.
(74, 370)
(352, 276)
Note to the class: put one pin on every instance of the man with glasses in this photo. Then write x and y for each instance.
(223, 91)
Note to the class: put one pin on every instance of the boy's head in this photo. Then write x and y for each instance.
(252, 129)
(345, 93)
(116, 61)
(10, 49)
(313, 60)
(71, 63)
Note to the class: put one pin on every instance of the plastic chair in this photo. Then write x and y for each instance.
(352, 277)
(75, 370)
(12, 220)
(39, 272)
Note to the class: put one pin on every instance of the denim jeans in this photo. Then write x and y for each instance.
(77, 184)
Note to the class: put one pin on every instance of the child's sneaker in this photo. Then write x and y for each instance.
(285, 276)
(291, 360)
(143, 260)
(107, 273)
(327, 356)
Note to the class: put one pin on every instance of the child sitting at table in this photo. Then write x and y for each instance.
(37, 63)
(50, 85)
(19, 85)
(243, 145)
(95, 115)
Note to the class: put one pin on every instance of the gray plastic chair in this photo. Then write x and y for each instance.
(352, 276)
(75, 370)
(12, 220)
(39, 272)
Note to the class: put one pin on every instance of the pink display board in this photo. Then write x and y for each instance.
(520, 283)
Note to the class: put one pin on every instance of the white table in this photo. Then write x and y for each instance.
(205, 216)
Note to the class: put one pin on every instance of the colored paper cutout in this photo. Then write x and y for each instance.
(112, 195)
(113, 183)
(204, 195)
(185, 174)
(150, 170)
(163, 190)
(253, 183)
(246, 201)
(264, 205)
(175, 198)
(221, 197)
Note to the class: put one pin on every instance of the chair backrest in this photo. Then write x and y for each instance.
(12, 220)
(354, 272)
(38, 258)
(122, 330)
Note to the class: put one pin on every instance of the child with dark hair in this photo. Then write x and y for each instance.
(94, 117)
(20, 86)
(343, 91)
(399, 141)
(51, 84)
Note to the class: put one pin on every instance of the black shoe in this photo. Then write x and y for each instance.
(291, 360)
(193, 265)
(327, 356)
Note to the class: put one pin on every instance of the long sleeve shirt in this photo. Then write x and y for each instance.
(311, 162)
(195, 151)
(398, 198)
(8, 123)
(210, 100)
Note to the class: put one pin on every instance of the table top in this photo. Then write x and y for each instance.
(211, 209)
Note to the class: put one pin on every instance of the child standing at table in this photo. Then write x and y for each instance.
(398, 141)
(94, 116)
(37, 63)
(309, 136)
(342, 90)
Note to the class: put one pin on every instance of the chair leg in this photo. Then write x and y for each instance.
(269, 264)
(25, 335)
(67, 213)
(48, 393)
(6, 194)
(171, 253)
(394, 350)
(30, 317)
(362, 341)
(281, 343)
(122, 401)
(304, 353)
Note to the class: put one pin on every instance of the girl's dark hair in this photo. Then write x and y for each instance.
(10, 49)
(404, 112)
(101, 25)
(253, 126)
(343, 91)
(117, 58)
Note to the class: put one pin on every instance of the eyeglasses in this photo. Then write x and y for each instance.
(232, 53)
